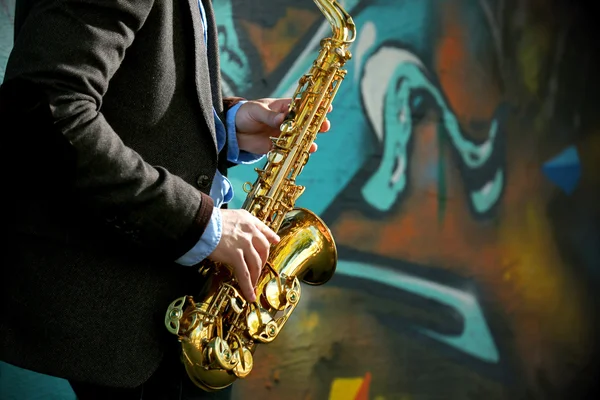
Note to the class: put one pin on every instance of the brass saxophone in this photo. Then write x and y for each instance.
(220, 332)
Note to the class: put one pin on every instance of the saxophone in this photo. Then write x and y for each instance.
(220, 332)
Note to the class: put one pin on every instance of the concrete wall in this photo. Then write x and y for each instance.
(460, 181)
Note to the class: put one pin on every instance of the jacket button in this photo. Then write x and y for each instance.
(203, 181)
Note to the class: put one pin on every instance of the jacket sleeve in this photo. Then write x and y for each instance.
(71, 49)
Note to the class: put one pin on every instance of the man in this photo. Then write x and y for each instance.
(119, 145)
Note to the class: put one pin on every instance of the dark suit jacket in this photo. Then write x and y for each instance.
(107, 116)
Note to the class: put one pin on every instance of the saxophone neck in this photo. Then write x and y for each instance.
(341, 22)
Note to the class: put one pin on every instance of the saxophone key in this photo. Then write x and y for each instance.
(281, 292)
(275, 293)
(275, 156)
(287, 125)
(261, 326)
(174, 315)
(244, 367)
(219, 354)
(237, 305)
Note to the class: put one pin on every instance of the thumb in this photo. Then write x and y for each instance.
(276, 119)
(269, 117)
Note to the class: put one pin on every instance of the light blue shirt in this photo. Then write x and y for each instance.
(221, 190)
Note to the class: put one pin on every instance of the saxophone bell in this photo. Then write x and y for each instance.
(307, 249)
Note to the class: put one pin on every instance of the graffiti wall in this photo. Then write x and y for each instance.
(461, 182)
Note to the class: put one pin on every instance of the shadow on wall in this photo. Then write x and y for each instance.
(461, 182)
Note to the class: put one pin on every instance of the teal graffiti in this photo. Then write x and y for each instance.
(234, 61)
(402, 75)
(475, 338)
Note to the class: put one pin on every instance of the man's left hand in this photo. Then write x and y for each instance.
(258, 120)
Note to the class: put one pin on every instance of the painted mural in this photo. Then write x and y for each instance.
(461, 181)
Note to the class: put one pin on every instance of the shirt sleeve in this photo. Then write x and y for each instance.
(207, 243)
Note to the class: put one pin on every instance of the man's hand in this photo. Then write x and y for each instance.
(244, 245)
(258, 120)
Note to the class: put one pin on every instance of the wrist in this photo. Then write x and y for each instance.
(232, 116)
(207, 243)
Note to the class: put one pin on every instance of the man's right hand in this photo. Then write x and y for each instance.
(244, 245)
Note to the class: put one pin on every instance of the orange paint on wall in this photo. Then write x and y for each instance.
(413, 231)
(471, 91)
(275, 44)
(363, 392)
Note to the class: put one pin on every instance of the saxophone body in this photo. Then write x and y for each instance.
(220, 331)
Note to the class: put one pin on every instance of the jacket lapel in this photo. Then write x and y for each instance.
(202, 73)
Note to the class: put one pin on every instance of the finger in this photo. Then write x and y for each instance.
(281, 105)
(265, 113)
(325, 126)
(330, 108)
(244, 279)
(270, 118)
(253, 261)
(271, 236)
(262, 246)
(313, 147)
(279, 118)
